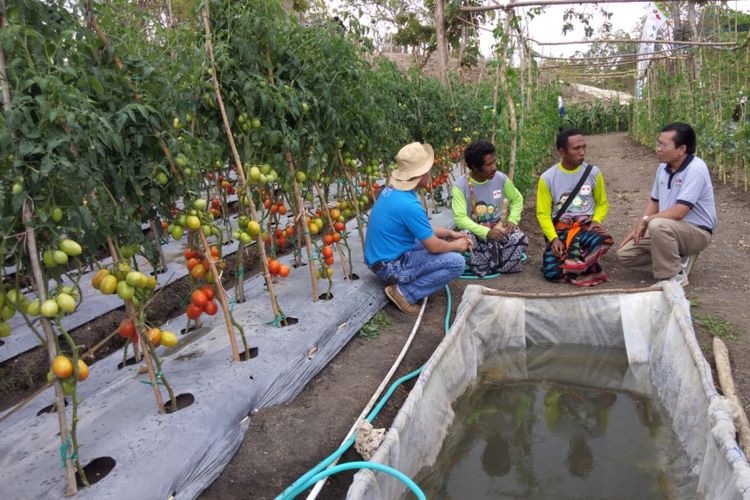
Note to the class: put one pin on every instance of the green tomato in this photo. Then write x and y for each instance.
(136, 279)
(60, 257)
(13, 296)
(253, 228)
(4, 329)
(162, 179)
(2, 299)
(50, 308)
(71, 248)
(34, 308)
(7, 312)
(301, 177)
(17, 188)
(245, 238)
(177, 232)
(56, 214)
(265, 169)
(68, 386)
(48, 259)
(256, 123)
(254, 174)
(66, 302)
(125, 291)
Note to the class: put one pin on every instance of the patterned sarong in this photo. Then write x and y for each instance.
(580, 264)
(493, 256)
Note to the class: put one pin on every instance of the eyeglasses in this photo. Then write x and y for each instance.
(660, 145)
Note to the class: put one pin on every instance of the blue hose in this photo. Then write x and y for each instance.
(306, 480)
(361, 465)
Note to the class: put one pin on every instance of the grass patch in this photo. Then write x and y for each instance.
(376, 324)
(716, 326)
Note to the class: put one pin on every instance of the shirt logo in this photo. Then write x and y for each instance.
(586, 189)
(678, 181)
(497, 194)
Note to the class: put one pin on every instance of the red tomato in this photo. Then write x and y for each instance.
(329, 261)
(193, 311)
(209, 291)
(199, 298)
(339, 226)
(211, 308)
(192, 263)
(328, 239)
(126, 328)
(327, 251)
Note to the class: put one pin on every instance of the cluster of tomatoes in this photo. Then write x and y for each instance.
(62, 368)
(202, 301)
(157, 337)
(215, 208)
(276, 207)
(197, 263)
(276, 268)
(129, 284)
(439, 179)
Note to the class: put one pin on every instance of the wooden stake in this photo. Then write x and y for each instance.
(222, 296)
(238, 166)
(724, 370)
(62, 417)
(305, 227)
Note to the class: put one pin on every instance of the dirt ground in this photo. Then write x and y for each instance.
(286, 441)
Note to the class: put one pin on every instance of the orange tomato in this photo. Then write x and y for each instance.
(329, 261)
(83, 371)
(215, 252)
(328, 239)
(282, 210)
(62, 367)
(289, 231)
(274, 209)
(198, 271)
(192, 263)
(336, 237)
(274, 267)
(154, 334)
(327, 251)
(284, 271)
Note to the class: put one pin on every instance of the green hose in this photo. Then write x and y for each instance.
(306, 480)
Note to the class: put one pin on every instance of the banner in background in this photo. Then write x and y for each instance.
(654, 21)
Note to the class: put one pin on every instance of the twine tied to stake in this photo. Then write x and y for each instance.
(64, 451)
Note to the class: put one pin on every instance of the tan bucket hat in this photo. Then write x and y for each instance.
(414, 160)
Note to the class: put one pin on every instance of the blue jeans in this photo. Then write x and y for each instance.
(420, 273)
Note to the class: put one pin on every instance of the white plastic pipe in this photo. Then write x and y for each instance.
(319, 485)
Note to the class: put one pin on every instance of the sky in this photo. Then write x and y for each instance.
(548, 26)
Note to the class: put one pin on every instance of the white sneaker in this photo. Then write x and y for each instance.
(680, 278)
(687, 262)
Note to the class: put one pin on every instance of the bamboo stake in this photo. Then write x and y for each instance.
(3, 78)
(724, 370)
(62, 418)
(238, 163)
(305, 227)
(355, 199)
(623, 41)
(324, 203)
(157, 236)
(222, 296)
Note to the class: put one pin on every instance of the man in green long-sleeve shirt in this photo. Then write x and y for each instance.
(577, 239)
(478, 199)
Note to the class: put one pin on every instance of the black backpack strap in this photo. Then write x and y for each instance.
(572, 194)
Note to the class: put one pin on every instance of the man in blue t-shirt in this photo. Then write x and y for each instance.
(680, 217)
(401, 247)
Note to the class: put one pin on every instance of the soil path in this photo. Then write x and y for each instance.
(286, 441)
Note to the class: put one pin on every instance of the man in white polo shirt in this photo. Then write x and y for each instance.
(680, 217)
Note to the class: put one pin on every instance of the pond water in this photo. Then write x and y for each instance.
(534, 426)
